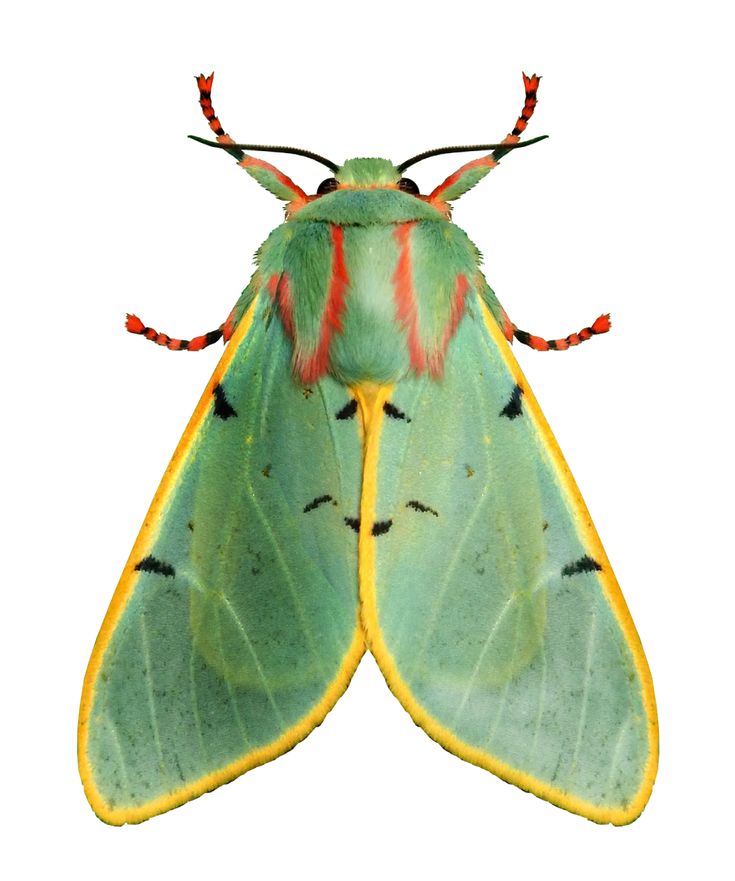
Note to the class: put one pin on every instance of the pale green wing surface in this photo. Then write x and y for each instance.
(492, 608)
(234, 628)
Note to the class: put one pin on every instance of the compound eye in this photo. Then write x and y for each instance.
(327, 186)
(408, 186)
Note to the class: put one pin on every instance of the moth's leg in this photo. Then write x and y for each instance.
(510, 330)
(133, 324)
(472, 172)
(205, 102)
(600, 325)
(493, 304)
(531, 85)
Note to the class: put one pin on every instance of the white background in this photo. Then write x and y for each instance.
(107, 207)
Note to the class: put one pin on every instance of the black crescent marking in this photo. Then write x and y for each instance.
(514, 407)
(393, 411)
(380, 527)
(583, 564)
(353, 523)
(151, 564)
(223, 409)
(423, 509)
(348, 411)
(319, 500)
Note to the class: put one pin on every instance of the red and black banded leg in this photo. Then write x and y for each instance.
(531, 86)
(205, 102)
(133, 324)
(600, 325)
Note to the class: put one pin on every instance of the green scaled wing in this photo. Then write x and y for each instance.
(234, 628)
(488, 600)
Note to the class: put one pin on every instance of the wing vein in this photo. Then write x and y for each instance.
(585, 691)
(195, 709)
(251, 648)
(151, 697)
(481, 657)
(118, 748)
(233, 703)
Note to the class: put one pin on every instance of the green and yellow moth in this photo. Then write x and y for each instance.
(368, 470)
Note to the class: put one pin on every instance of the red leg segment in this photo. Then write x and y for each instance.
(205, 102)
(531, 84)
(600, 325)
(133, 324)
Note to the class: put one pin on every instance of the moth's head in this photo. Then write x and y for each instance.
(367, 174)
(379, 176)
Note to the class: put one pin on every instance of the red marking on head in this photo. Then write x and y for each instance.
(405, 299)
(251, 162)
(317, 363)
(482, 162)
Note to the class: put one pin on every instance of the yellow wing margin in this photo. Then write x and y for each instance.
(370, 401)
(118, 816)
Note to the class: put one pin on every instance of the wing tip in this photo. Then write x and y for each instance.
(134, 814)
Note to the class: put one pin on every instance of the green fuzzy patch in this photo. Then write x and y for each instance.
(367, 207)
(368, 173)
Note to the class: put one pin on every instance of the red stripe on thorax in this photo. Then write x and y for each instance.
(311, 368)
(405, 298)
(285, 302)
(456, 311)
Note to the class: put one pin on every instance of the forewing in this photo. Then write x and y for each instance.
(488, 600)
(234, 628)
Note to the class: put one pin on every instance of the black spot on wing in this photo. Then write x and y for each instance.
(348, 411)
(380, 527)
(423, 509)
(319, 500)
(393, 411)
(583, 564)
(223, 409)
(158, 567)
(514, 407)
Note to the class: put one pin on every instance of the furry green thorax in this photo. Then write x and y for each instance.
(368, 173)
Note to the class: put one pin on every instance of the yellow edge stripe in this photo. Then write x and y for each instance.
(146, 538)
(371, 402)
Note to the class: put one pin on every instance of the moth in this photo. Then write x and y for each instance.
(368, 470)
